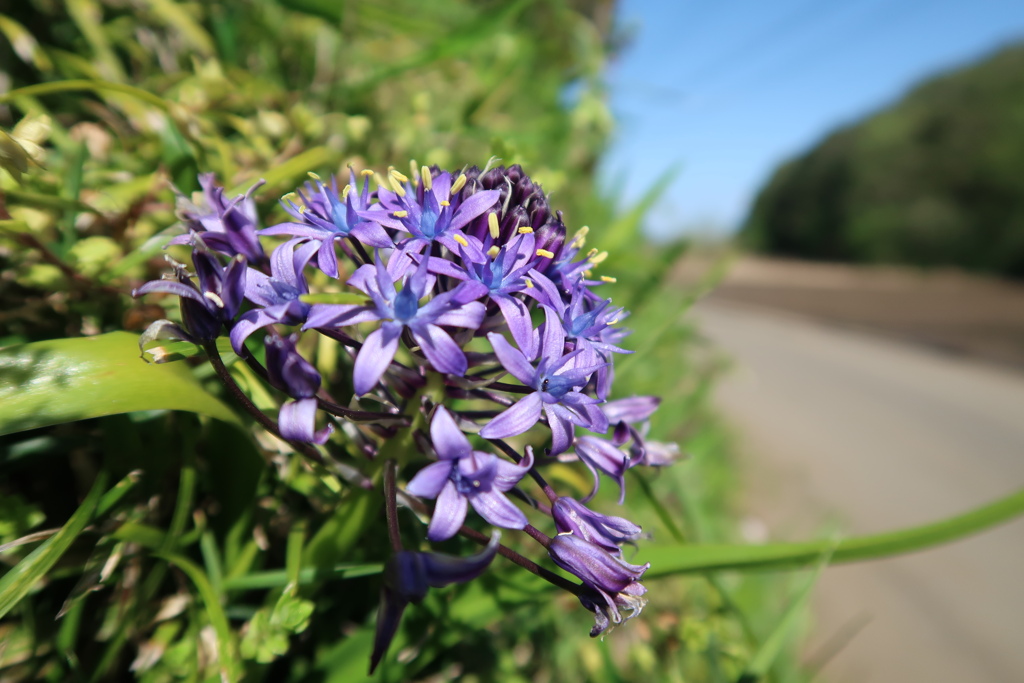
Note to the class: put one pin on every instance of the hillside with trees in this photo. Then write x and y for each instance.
(936, 179)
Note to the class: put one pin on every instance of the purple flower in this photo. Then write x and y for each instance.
(588, 324)
(615, 581)
(501, 275)
(327, 217)
(556, 381)
(400, 310)
(631, 409)
(292, 374)
(408, 575)
(465, 477)
(278, 294)
(571, 516)
(223, 225)
(600, 455)
(204, 309)
(428, 212)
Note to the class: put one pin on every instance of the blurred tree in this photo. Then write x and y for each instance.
(932, 180)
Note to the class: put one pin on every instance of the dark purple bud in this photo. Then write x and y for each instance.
(407, 577)
(289, 371)
(571, 516)
(550, 237)
(204, 309)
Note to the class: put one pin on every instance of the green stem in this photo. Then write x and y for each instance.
(683, 559)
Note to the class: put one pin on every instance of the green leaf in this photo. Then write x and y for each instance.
(231, 669)
(74, 85)
(293, 169)
(331, 10)
(278, 578)
(626, 228)
(16, 583)
(62, 380)
(772, 646)
(685, 559)
(334, 298)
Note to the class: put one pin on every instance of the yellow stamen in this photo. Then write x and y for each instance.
(592, 253)
(529, 282)
(367, 172)
(493, 251)
(445, 202)
(612, 322)
(588, 273)
(580, 237)
(400, 214)
(608, 278)
(394, 173)
(214, 298)
(459, 183)
(345, 191)
(312, 175)
(525, 230)
(396, 186)
(302, 209)
(492, 225)
(413, 169)
(461, 240)
(599, 258)
(290, 197)
(428, 180)
(545, 253)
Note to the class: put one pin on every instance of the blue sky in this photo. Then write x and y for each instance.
(728, 90)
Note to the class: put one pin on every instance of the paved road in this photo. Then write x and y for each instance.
(868, 435)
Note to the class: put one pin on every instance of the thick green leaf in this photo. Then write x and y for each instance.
(684, 559)
(16, 583)
(50, 382)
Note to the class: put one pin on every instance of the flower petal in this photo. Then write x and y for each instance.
(517, 316)
(429, 481)
(297, 420)
(498, 510)
(513, 360)
(468, 315)
(449, 514)
(374, 358)
(515, 420)
(440, 349)
(560, 421)
(473, 207)
(449, 441)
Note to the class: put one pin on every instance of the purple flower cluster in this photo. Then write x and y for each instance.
(459, 304)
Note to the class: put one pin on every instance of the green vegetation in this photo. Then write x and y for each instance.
(933, 180)
(218, 552)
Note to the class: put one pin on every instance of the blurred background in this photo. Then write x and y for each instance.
(861, 168)
(838, 187)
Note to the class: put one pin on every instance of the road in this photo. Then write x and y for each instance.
(843, 430)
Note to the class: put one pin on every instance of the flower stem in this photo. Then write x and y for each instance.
(250, 407)
(537, 476)
(391, 505)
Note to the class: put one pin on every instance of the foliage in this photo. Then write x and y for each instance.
(932, 180)
(181, 542)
